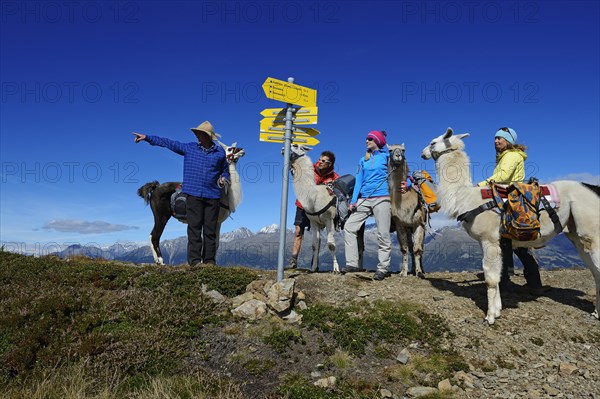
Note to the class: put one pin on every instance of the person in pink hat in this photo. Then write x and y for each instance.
(371, 197)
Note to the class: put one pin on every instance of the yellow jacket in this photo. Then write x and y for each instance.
(510, 166)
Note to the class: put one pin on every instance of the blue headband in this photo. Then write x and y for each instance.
(510, 136)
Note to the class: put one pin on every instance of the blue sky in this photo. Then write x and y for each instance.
(78, 77)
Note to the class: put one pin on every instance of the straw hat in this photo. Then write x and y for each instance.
(206, 127)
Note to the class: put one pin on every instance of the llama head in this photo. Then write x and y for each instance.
(297, 151)
(232, 152)
(396, 154)
(443, 144)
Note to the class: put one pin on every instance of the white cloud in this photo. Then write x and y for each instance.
(582, 177)
(439, 220)
(85, 227)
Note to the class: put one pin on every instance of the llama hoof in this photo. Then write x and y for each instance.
(489, 320)
(594, 315)
(421, 275)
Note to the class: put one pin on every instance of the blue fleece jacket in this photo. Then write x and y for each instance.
(371, 178)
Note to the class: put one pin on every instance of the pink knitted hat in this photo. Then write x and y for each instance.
(379, 137)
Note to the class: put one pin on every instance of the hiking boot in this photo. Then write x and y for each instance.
(379, 275)
(293, 264)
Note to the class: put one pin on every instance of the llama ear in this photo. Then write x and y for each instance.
(305, 148)
(462, 136)
(448, 133)
(234, 144)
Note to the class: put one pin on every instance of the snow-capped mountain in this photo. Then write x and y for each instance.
(238, 234)
(447, 248)
(269, 229)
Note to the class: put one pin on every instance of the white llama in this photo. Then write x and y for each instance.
(579, 214)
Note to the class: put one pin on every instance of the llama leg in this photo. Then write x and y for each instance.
(331, 244)
(316, 244)
(403, 241)
(159, 227)
(156, 252)
(492, 267)
(360, 238)
(162, 213)
(591, 258)
(417, 238)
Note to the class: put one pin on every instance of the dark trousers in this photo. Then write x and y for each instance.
(531, 269)
(202, 215)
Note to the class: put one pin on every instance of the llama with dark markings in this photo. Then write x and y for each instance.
(159, 197)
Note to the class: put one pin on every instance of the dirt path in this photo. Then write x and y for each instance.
(543, 346)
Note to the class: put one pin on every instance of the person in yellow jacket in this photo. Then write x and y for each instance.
(510, 167)
(510, 158)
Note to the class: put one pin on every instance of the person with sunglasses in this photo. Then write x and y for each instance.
(324, 174)
(510, 167)
(371, 197)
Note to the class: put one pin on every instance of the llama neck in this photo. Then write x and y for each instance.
(397, 176)
(304, 181)
(454, 183)
(235, 190)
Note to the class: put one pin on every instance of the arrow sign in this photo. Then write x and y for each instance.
(266, 126)
(309, 131)
(279, 138)
(273, 113)
(303, 116)
(286, 92)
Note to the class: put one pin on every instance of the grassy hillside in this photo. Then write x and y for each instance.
(82, 328)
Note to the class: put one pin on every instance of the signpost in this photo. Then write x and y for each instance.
(280, 138)
(302, 116)
(282, 125)
(290, 93)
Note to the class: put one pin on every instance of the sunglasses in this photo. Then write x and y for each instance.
(505, 129)
(369, 139)
(324, 161)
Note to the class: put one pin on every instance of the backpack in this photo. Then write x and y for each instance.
(343, 187)
(521, 216)
(179, 204)
(427, 190)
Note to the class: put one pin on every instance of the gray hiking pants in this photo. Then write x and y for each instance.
(378, 207)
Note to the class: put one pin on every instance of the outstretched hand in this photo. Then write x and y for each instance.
(139, 137)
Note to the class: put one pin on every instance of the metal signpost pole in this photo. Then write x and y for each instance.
(284, 190)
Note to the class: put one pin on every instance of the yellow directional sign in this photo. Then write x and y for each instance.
(305, 120)
(280, 112)
(306, 130)
(266, 125)
(280, 90)
(302, 116)
(278, 138)
(273, 113)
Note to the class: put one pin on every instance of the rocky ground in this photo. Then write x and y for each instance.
(545, 345)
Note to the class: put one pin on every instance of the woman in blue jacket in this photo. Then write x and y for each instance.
(371, 198)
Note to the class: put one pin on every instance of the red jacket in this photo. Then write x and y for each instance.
(328, 176)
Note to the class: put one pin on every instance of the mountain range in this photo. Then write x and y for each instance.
(446, 249)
